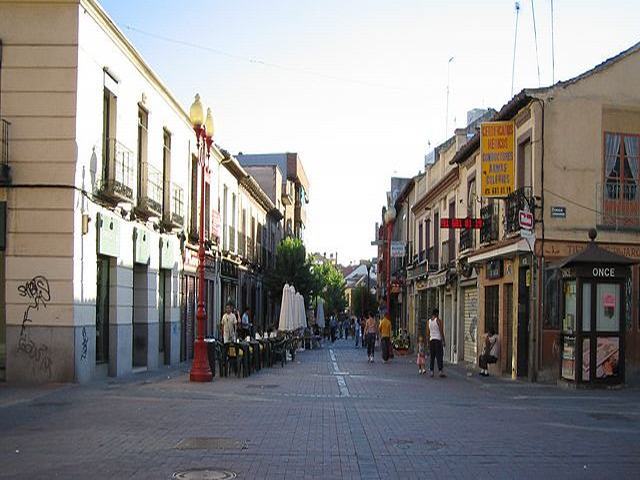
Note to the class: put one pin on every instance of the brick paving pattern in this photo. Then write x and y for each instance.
(320, 418)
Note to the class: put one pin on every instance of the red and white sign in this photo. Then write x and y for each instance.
(526, 219)
(609, 300)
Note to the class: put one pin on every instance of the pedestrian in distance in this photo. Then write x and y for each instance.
(490, 352)
(357, 331)
(334, 328)
(362, 331)
(385, 338)
(435, 334)
(371, 330)
(421, 360)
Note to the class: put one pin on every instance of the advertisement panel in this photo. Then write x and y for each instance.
(497, 153)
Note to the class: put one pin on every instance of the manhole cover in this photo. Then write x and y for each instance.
(262, 386)
(204, 474)
(211, 443)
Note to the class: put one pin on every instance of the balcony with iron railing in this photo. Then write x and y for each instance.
(618, 204)
(250, 250)
(175, 216)
(5, 167)
(519, 200)
(232, 238)
(432, 261)
(118, 178)
(490, 223)
(150, 195)
(448, 253)
(242, 245)
(467, 239)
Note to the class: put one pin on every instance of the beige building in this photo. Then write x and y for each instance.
(576, 168)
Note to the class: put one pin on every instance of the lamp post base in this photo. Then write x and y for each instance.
(200, 371)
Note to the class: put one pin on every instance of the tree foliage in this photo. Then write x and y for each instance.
(293, 267)
(330, 285)
(360, 304)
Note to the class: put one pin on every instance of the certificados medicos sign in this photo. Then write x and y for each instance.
(497, 147)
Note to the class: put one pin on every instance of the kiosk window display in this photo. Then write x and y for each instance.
(593, 312)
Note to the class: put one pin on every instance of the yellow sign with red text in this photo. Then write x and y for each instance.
(497, 154)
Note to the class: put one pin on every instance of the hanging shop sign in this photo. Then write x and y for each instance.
(525, 219)
(397, 249)
(497, 147)
(459, 223)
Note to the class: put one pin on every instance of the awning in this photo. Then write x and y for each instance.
(521, 246)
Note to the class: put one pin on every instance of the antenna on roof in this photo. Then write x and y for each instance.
(553, 50)
(515, 41)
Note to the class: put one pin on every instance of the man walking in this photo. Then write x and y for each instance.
(385, 337)
(229, 322)
(435, 334)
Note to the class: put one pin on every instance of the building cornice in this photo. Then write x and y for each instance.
(442, 186)
(110, 28)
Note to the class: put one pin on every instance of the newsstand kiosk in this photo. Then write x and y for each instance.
(593, 311)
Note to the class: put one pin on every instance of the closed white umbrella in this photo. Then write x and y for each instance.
(297, 320)
(291, 320)
(320, 313)
(284, 308)
(303, 313)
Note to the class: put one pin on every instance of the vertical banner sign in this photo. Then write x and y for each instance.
(497, 147)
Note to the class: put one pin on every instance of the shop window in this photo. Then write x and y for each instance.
(569, 319)
(551, 319)
(608, 357)
(491, 308)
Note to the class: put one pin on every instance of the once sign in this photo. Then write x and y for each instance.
(607, 272)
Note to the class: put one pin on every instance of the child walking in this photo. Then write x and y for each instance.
(421, 360)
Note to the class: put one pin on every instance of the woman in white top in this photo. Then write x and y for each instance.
(435, 334)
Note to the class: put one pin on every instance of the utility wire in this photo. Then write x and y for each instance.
(535, 38)
(257, 61)
(585, 207)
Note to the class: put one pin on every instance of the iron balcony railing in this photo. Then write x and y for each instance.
(448, 253)
(118, 179)
(5, 168)
(489, 216)
(232, 238)
(242, 245)
(150, 198)
(432, 261)
(520, 199)
(250, 251)
(467, 239)
(175, 215)
(618, 204)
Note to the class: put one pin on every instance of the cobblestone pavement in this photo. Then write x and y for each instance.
(329, 414)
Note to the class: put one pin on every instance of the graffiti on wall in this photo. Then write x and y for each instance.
(85, 344)
(38, 292)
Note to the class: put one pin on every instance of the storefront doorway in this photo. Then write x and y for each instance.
(522, 364)
(102, 310)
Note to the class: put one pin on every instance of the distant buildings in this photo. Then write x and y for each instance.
(295, 187)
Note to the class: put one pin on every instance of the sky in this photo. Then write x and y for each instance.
(359, 87)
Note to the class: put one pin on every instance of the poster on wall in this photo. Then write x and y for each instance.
(497, 154)
(608, 357)
(569, 358)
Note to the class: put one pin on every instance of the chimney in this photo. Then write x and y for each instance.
(461, 137)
